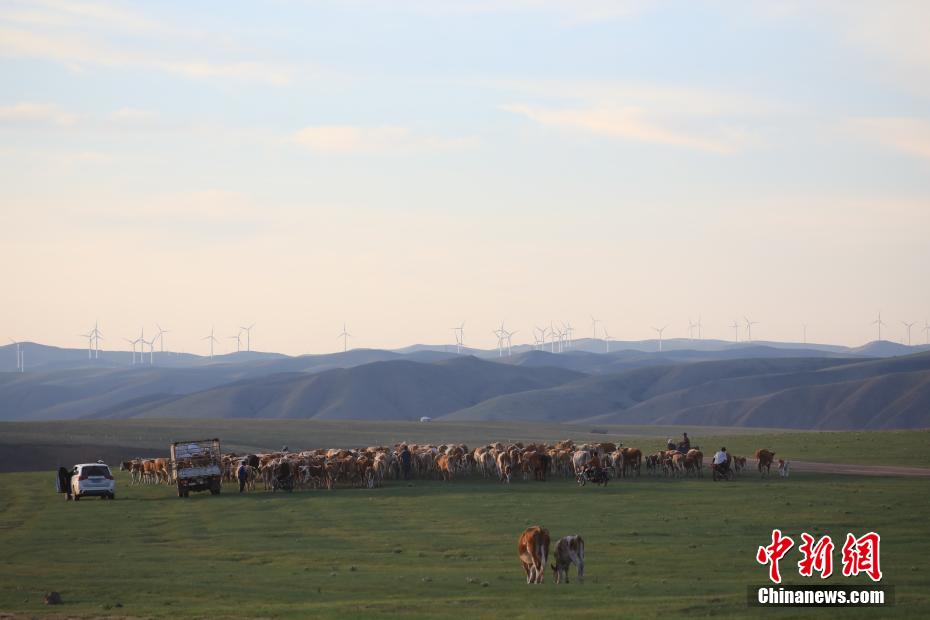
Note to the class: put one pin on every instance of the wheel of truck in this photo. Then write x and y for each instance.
(215, 488)
(112, 495)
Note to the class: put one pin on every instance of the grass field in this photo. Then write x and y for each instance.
(43, 445)
(431, 550)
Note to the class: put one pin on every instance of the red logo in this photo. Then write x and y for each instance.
(773, 553)
(860, 555)
(817, 557)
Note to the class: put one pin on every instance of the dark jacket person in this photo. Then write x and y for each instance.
(243, 475)
(64, 482)
(405, 462)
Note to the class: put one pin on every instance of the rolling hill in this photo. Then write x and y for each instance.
(394, 390)
(67, 393)
(807, 393)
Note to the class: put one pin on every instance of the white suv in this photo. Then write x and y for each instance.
(92, 479)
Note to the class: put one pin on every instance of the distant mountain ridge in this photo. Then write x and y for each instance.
(750, 384)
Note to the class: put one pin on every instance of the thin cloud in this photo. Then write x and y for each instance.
(383, 139)
(904, 134)
(75, 35)
(626, 123)
(36, 114)
(568, 10)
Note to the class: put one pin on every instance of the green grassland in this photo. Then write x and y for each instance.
(431, 550)
(41, 445)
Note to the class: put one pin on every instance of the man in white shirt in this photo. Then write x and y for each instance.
(721, 460)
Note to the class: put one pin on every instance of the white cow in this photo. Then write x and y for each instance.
(569, 550)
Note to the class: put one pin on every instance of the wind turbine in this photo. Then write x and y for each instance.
(749, 325)
(345, 335)
(735, 327)
(568, 333)
(97, 337)
(594, 323)
(248, 337)
(699, 327)
(500, 340)
(509, 335)
(90, 343)
(212, 340)
(659, 331)
(141, 342)
(20, 358)
(879, 322)
(133, 343)
(606, 340)
(161, 336)
(691, 327)
(561, 334)
(459, 333)
(539, 337)
(151, 344)
(238, 339)
(927, 330)
(908, 326)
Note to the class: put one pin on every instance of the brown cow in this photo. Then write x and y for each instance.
(694, 461)
(632, 460)
(765, 460)
(533, 550)
(446, 466)
(569, 550)
(739, 463)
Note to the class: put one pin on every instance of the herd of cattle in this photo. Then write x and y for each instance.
(370, 467)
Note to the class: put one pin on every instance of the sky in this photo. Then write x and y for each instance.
(404, 166)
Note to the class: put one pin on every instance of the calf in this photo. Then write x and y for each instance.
(533, 550)
(783, 467)
(569, 550)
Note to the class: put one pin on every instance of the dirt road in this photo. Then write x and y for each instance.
(854, 470)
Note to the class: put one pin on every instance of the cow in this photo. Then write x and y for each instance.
(783, 467)
(136, 471)
(694, 461)
(580, 459)
(653, 463)
(446, 466)
(569, 550)
(504, 466)
(161, 470)
(533, 551)
(632, 460)
(765, 458)
(739, 463)
(536, 463)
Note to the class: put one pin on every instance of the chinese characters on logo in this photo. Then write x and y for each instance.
(860, 555)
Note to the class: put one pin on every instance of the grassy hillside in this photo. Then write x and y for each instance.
(395, 390)
(807, 393)
(434, 550)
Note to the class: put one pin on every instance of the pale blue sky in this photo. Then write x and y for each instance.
(404, 166)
